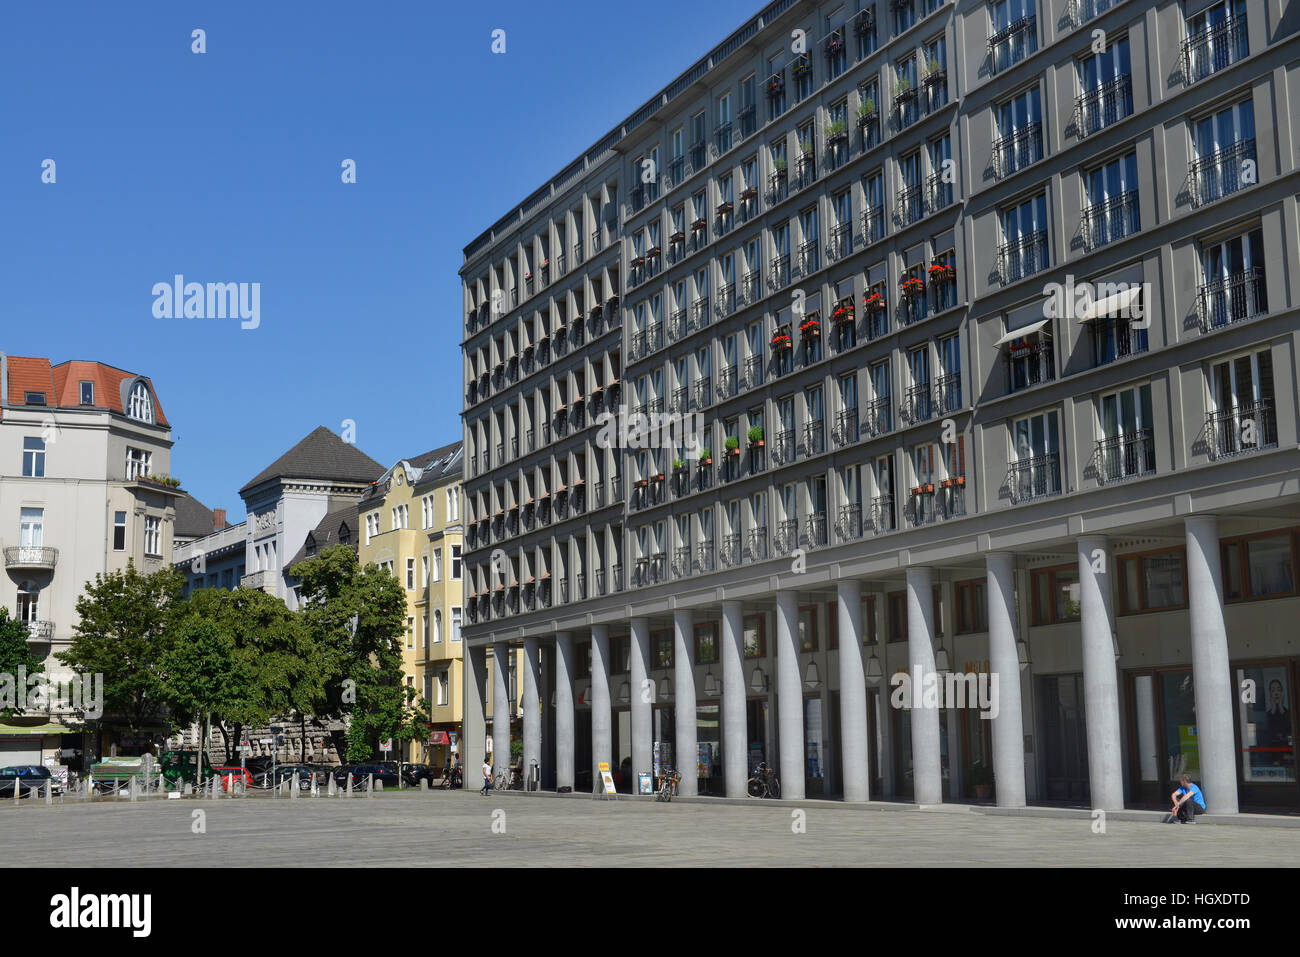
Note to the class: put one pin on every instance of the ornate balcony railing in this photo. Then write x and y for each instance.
(1023, 257)
(1232, 299)
(783, 447)
(1241, 430)
(817, 531)
(882, 513)
(729, 552)
(1017, 149)
(917, 405)
(756, 545)
(786, 539)
(877, 417)
(1222, 172)
(1122, 457)
(1215, 48)
(846, 430)
(910, 207)
(947, 393)
(1103, 106)
(814, 438)
(1112, 219)
(34, 557)
(1034, 478)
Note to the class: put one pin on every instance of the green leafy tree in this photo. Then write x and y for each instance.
(15, 654)
(123, 632)
(354, 618)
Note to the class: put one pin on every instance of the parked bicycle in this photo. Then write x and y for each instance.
(510, 780)
(453, 779)
(669, 779)
(764, 783)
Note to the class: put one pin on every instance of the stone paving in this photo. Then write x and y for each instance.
(413, 828)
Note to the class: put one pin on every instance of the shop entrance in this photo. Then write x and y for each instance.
(1065, 737)
(904, 785)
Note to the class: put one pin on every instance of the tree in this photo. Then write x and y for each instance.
(354, 617)
(203, 670)
(15, 655)
(125, 629)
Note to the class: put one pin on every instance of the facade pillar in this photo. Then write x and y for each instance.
(1008, 726)
(532, 710)
(643, 696)
(1100, 682)
(564, 742)
(473, 729)
(927, 767)
(1211, 674)
(853, 694)
(687, 746)
(789, 697)
(735, 743)
(602, 714)
(502, 707)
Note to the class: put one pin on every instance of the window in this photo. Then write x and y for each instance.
(119, 531)
(972, 606)
(1127, 446)
(455, 623)
(1244, 417)
(897, 623)
(1106, 88)
(410, 633)
(424, 571)
(1024, 235)
(904, 14)
(1216, 38)
(1233, 287)
(754, 639)
(1055, 594)
(1152, 581)
(453, 505)
(1112, 193)
(807, 627)
(661, 650)
(906, 92)
(442, 688)
(1015, 32)
(34, 398)
(410, 574)
(1222, 144)
(87, 393)
(140, 406)
(706, 643)
(864, 27)
(1259, 566)
(33, 457)
(1020, 133)
(936, 75)
(153, 536)
(137, 463)
(1036, 471)
(455, 563)
(775, 89)
(372, 526)
(31, 527)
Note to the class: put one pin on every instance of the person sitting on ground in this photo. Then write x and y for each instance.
(1188, 800)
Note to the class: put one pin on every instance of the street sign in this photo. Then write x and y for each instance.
(265, 741)
(386, 745)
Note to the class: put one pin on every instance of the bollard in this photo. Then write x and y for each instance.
(188, 789)
(331, 787)
(379, 784)
(424, 784)
(133, 787)
(18, 790)
(370, 785)
(293, 787)
(349, 784)
(49, 792)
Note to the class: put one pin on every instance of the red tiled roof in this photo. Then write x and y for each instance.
(61, 384)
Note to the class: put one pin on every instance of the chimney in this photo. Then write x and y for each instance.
(219, 519)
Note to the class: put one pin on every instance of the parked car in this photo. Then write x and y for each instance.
(30, 776)
(361, 774)
(415, 773)
(241, 778)
(285, 772)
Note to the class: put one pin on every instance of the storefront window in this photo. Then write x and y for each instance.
(897, 616)
(662, 644)
(1056, 595)
(708, 736)
(972, 606)
(755, 645)
(1152, 582)
(807, 627)
(1267, 742)
(706, 643)
(814, 746)
(1181, 749)
(1259, 567)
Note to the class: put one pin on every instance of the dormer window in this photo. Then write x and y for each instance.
(140, 406)
(34, 398)
(87, 393)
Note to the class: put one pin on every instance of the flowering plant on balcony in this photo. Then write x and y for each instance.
(941, 271)
(781, 340)
(834, 46)
(810, 326)
(912, 286)
(806, 147)
(678, 465)
(776, 85)
(749, 193)
(926, 489)
(874, 300)
(866, 110)
(545, 263)
(843, 313)
(955, 482)
(802, 66)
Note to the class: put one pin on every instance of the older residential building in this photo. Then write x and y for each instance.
(85, 457)
(996, 379)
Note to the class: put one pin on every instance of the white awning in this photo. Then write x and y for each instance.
(1023, 331)
(1121, 301)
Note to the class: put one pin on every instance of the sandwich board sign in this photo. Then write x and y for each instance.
(607, 779)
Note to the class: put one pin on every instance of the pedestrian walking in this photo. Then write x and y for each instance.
(487, 777)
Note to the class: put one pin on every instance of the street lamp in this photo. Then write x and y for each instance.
(874, 671)
(758, 682)
(811, 677)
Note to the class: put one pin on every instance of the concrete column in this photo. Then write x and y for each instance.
(602, 713)
(1004, 662)
(532, 709)
(564, 744)
(735, 738)
(1100, 682)
(927, 768)
(687, 746)
(789, 697)
(853, 694)
(643, 697)
(1211, 675)
(501, 707)
(473, 739)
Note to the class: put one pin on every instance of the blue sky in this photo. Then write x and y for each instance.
(225, 166)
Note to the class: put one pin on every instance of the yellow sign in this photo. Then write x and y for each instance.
(603, 766)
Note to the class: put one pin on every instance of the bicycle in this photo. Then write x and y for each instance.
(510, 780)
(764, 783)
(669, 779)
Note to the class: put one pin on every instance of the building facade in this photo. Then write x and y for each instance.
(85, 488)
(995, 379)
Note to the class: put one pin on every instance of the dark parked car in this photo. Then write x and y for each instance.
(415, 773)
(30, 775)
(361, 774)
(285, 772)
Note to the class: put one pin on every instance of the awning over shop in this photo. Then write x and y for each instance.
(439, 737)
(15, 730)
(1028, 330)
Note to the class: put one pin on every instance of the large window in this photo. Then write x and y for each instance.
(1127, 446)
(1020, 132)
(137, 463)
(119, 531)
(1055, 595)
(1216, 38)
(153, 536)
(706, 643)
(33, 456)
(1152, 581)
(661, 650)
(1267, 732)
(1113, 198)
(1024, 235)
(140, 405)
(31, 527)
(1036, 470)
(1259, 566)
(1014, 32)
(972, 606)
(1106, 88)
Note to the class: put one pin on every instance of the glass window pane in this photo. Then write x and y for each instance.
(1181, 749)
(1163, 577)
(1270, 566)
(1267, 736)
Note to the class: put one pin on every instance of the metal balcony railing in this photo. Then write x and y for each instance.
(809, 260)
(756, 547)
(753, 372)
(1112, 219)
(1125, 456)
(916, 405)
(873, 225)
(910, 208)
(704, 557)
(846, 426)
(726, 299)
(727, 382)
(1232, 299)
(681, 400)
(950, 498)
(1023, 257)
(1017, 149)
(786, 539)
(682, 562)
(817, 531)
(1241, 430)
(704, 392)
(947, 393)
(1103, 106)
(780, 277)
(814, 438)
(877, 417)
(751, 287)
(920, 508)
(1215, 48)
(1029, 366)
(1220, 173)
(700, 312)
(1013, 43)
(1081, 11)
(938, 193)
(882, 513)
(729, 552)
(1034, 478)
(841, 243)
(849, 526)
(783, 447)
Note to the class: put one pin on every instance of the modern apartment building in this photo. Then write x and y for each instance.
(426, 558)
(85, 452)
(997, 380)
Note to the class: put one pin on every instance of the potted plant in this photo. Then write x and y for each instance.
(810, 326)
(835, 131)
(733, 445)
(866, 110)
(934, 71)
(912, 286)
(699, 224)
(678, 237)
(706, 456)
(981, 780)
(776, 85)
(801, 65)
(724, 208)
(678, 465)
(843, 314)
(781, 340)
(806, 147)
(874, 300)
(756, 436)
(903, 88)
(941, 271)
(780, 166)
(749, 193)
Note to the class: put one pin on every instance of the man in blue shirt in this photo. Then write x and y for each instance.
(1188, 800)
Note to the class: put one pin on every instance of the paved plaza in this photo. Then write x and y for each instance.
(457, 829)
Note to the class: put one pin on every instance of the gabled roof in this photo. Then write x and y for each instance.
(193, 518)
(61, 385)
(321, 455)
(337, 528)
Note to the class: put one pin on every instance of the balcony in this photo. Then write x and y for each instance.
(1233, 299)
(873, 225)
(752, 287)
(809, 260)
(1214, 48)
(704, 557)
(700, 316)
(1125, 456)
(910, 208)
(920, 509)
(817, 531)
(753, 372)
(783, 447)
(1081, 11)
(882, 513)
(1018, 149)
(756, 547)
(681, 483)
(841, 243)
(947, 393)
(1103, 106)
(704, 392)
(950, 500)
(917, 405)
(1035, 478)
(682, 562)
(31, 558)
(846, 427)
(698, 157)
(1219, 174)
(727, 383)
(263, 579)
(787, 536)
(938, 192)
(1013, 43)
(1241, 430)
(1111, 220)
(1023, 257)
(814, 438)
(616, 576)
(677, 325)
(729, 552)
(40, 630)
(849, 526)
(726, 299)
(681, 400)
(1029, 365)
(723, 137)
(877, 418)
(780, 273)
(778, 185)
